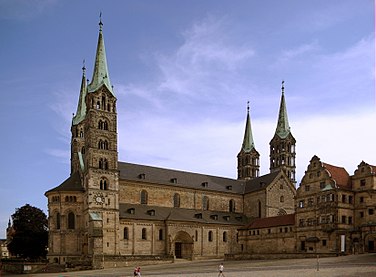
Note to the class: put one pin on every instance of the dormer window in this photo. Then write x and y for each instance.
(229, 187)
(204, 184)
(214, 217)
(199, 215)
(131, 210)
(174, 180)
(151, 212)
(141, 176)
(226, 217)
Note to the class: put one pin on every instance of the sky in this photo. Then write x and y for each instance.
(183, 72)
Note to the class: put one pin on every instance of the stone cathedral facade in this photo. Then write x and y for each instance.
(110, 210)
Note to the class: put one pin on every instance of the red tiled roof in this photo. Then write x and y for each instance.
(274, 221)
(339, 175)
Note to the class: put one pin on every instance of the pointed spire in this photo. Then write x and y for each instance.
(81, 108)
(100, 73)
(283, 127)
(248, 143)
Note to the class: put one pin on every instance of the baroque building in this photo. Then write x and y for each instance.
(109, 212)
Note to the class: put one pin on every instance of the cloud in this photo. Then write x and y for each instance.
(206, 63)
(24, 9)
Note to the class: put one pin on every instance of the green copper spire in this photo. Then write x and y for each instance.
(283, 127)
(100, 74)
(248, 143)
(81, 108)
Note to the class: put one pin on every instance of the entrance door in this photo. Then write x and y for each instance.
(178, 250)
(371, 246)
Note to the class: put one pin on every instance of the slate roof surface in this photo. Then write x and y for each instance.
(73, 183)
(260, 182)
(339, 174)
(157, 175)
(146, 212)
(274, 221)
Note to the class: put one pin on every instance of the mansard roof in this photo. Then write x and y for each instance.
(157, 175)
(274, 221)
(260, 182)
(339, 175)
(146, 212)
(73, 183)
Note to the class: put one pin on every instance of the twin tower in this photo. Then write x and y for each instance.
(282, 148)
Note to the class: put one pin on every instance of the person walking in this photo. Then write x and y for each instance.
(220, 269)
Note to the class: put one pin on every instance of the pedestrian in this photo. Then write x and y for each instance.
(138, 271)
(135, 271)
(220, 269)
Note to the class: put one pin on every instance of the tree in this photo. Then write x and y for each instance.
(30, 233)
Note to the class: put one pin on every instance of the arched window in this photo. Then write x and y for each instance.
(160, 235)
(71, 221)
(259, 208)
(281, 199)
(231, 205)
(126, 233)
(210, 236)
(105, 125)
(98, 105)
(143, 235)
(103, 184)
(83, 150)
(224, 236)
(58, 221)
(66, 198)
(103, 164)
(103, 103)
(100, 124)
(144, 197)
(205, 203)
(176, 200)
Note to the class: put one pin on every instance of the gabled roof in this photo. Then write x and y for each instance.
(73, 183)
(274, 221)
(260, 182)
(339, 175)
(177, 178)
(146, 212)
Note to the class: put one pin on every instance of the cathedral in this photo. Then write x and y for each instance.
(109, 212)
(108, 209)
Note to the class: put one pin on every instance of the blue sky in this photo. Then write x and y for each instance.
(183, 72)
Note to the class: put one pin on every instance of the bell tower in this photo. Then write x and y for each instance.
(248, 157)
(282, 145)
(94, 155)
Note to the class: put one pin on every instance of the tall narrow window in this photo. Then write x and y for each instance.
(144, 197)
(259, 208)
(205, 203)
(58, 221)
(231, 206)
(210, 236)
(176, 200)
(71, 221)
(224, 236)
(126, 233)
(160, 235)
(143, 234)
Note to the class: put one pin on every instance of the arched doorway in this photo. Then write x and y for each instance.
(183, 245)
(370, 243)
